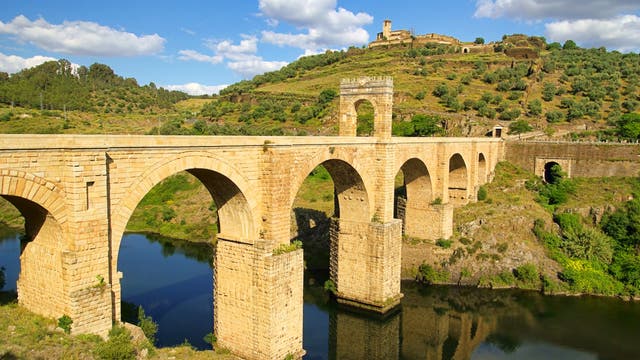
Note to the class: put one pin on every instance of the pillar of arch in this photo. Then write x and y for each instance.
(379, 92)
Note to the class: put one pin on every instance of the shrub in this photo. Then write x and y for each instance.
(148, 326)
(482, 193)
(64, 323)
(330, 286)
(428, 275)
(285, 248)
(527, 274)
(443, 243)
(118, 347)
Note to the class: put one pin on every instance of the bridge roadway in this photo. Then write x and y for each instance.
(77, 193)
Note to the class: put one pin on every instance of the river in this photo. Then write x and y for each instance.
(172, 281)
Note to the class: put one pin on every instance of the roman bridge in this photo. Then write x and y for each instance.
(77, 192)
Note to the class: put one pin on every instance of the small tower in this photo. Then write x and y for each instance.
(386, 29)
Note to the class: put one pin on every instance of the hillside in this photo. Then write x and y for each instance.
(552, 87)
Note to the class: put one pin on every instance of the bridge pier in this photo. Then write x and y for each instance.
(258, 300)
(365, 263)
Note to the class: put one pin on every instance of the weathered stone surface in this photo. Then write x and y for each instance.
(77, 194)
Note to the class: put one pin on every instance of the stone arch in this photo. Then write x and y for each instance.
(547, 175)
(42, 204)
(225, 184)
(458, 180)
(418, 195)
(351, 195)
(465, 50)
(361, 129)
(482, 169)
(379, 92)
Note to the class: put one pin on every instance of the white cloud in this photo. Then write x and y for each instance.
(620, 33)
(12, 63)
(81, 38)
(248, 46)
(187, 55)
(241, 57)
(326, 27)
(553, 9)
(196, 89)
(254, 65)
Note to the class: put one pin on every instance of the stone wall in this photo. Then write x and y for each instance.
(78, 192)
(579, 159)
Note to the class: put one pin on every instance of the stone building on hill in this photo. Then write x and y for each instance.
(399, 37)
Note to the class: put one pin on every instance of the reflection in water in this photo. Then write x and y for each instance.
(177, 292)
(173, 281)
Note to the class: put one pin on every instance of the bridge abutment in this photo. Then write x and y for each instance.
(258, 300)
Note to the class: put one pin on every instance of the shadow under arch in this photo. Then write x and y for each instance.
(458, 180)
(551, 175)
(42, 205)
(415, 194)
(351, 198)
(482, 169)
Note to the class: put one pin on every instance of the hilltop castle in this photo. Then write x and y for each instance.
(399, 37)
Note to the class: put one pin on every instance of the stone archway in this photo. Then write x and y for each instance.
(235, 212)
(551, 173)
(458, 180)
(379, 92)
(40, 287)
(414, 207)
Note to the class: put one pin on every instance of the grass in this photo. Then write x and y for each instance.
(24, 335)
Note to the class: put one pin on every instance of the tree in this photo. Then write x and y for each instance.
(628, 127)
(554, 46)
(519, 127)
(479, 41)
(569, 45)
(425, 125)
(535, 107)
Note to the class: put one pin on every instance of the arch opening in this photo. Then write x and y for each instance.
(34, 245)
(332, 190)
(458, 180)
(552, 172)
(482, 169)
(175, 284)
(413, 194)
(365, 117)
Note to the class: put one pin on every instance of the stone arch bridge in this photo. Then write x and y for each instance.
(77, 192)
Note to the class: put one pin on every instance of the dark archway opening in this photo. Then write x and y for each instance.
(552, 172)
(413, 190)
(457, 180)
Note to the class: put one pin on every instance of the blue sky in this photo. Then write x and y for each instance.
(200, 46)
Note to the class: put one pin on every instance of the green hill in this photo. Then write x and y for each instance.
(549, 86)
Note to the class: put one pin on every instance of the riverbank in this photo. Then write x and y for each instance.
(24, 335)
